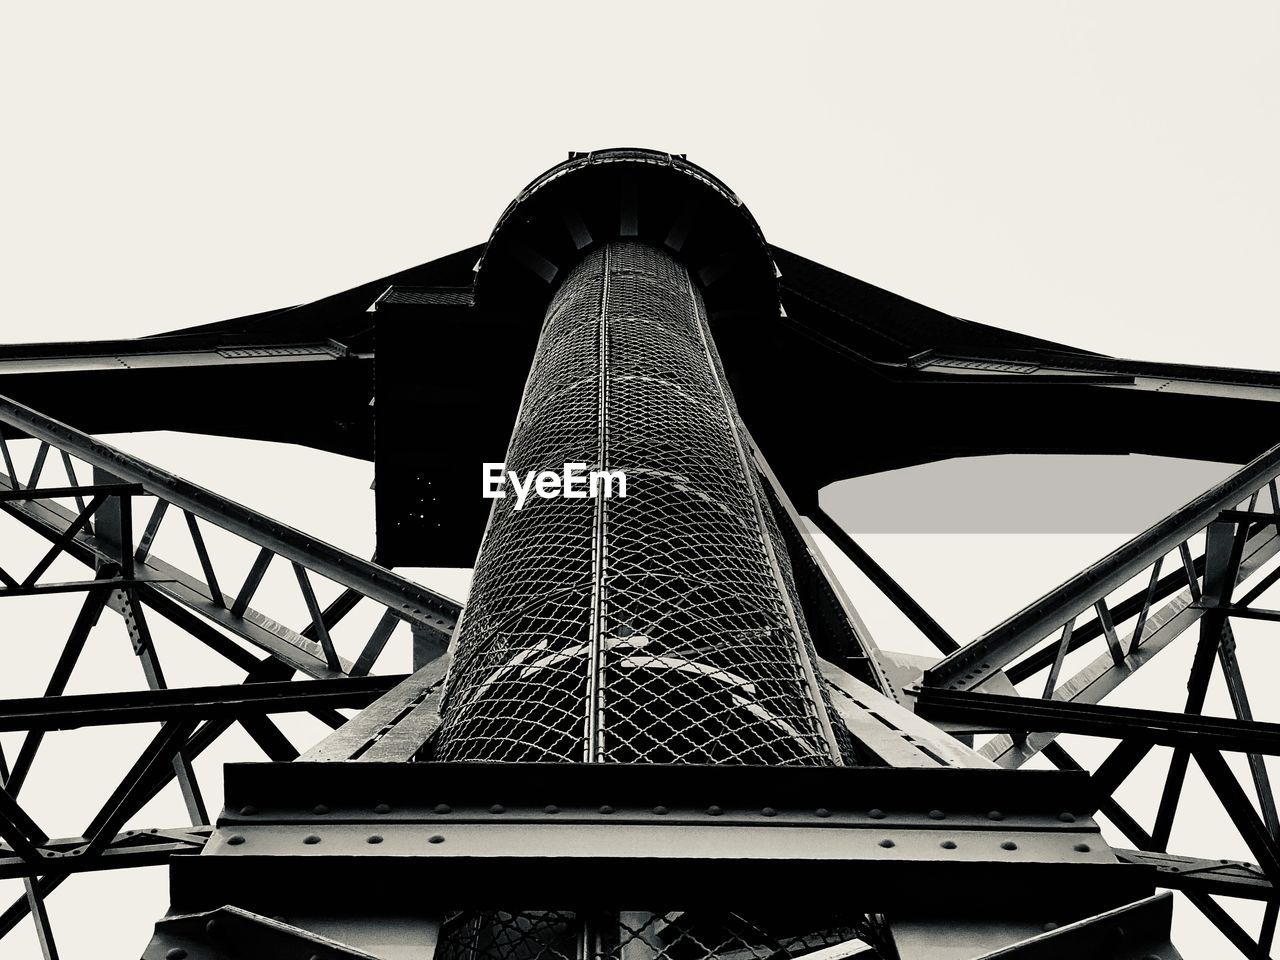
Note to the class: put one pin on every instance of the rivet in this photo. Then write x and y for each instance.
(875, 813)
(248, 811)
(320, 808)
(497, 808)
(177, 953)
(994, 815)
(886, 842)
(948, 844)
(382, 808)
(822, 812)
(937, 815)
(1008, 845)
(1081, 848)
(1067, 817)
(1049, 926)
(374, 839)
(550, 808)
(768, 812)
(310, 838)
(660, 810)
(435, 839)
(605, 808)
(211, 926)
(235, 840)
(443, 808)
(714, 810)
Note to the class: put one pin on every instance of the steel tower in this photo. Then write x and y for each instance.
(598, 631)
(658, 730)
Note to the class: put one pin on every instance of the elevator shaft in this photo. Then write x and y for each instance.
(657, 627)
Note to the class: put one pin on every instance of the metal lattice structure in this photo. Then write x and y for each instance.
(704, 751)
(638, 933)
(600, 631)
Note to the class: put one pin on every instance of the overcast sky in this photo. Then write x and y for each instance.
(1102, 174)
(1099, 173)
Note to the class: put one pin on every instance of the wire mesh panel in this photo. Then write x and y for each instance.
(660, 626)
(645, 935)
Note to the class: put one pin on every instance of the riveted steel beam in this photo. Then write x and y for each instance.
(132, 848)
(229, 933)
(1228, 878)
(541, 835)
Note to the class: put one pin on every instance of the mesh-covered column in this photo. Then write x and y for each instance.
(660, 626)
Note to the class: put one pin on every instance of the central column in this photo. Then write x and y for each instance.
(659, 626)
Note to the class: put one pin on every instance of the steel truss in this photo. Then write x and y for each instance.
(92, 522)
(969, 690)
(919, 843)
(398, 724)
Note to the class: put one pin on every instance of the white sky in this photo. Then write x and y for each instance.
(1098, 173)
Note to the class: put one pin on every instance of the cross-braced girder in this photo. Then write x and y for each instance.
(83, 498)
(1124, 608)
(698, 624)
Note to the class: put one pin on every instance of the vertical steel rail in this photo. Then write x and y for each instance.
(593, 746)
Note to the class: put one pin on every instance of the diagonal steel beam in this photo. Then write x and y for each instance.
(124, 800)
(228, 702)
(44, 930)
(1264, 847)
(1102, 676)
(907, 604)
(18, 830)
(1106, 805)
(159, 582)
(1224, 546)
(90, 610)
(144, 648)
(1167, 586)
(997, 712)
(361, 732)
(1243, 711)
(435, 611)
(969, 666)
(1227, 925)
(18, 910)
(65, 538)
